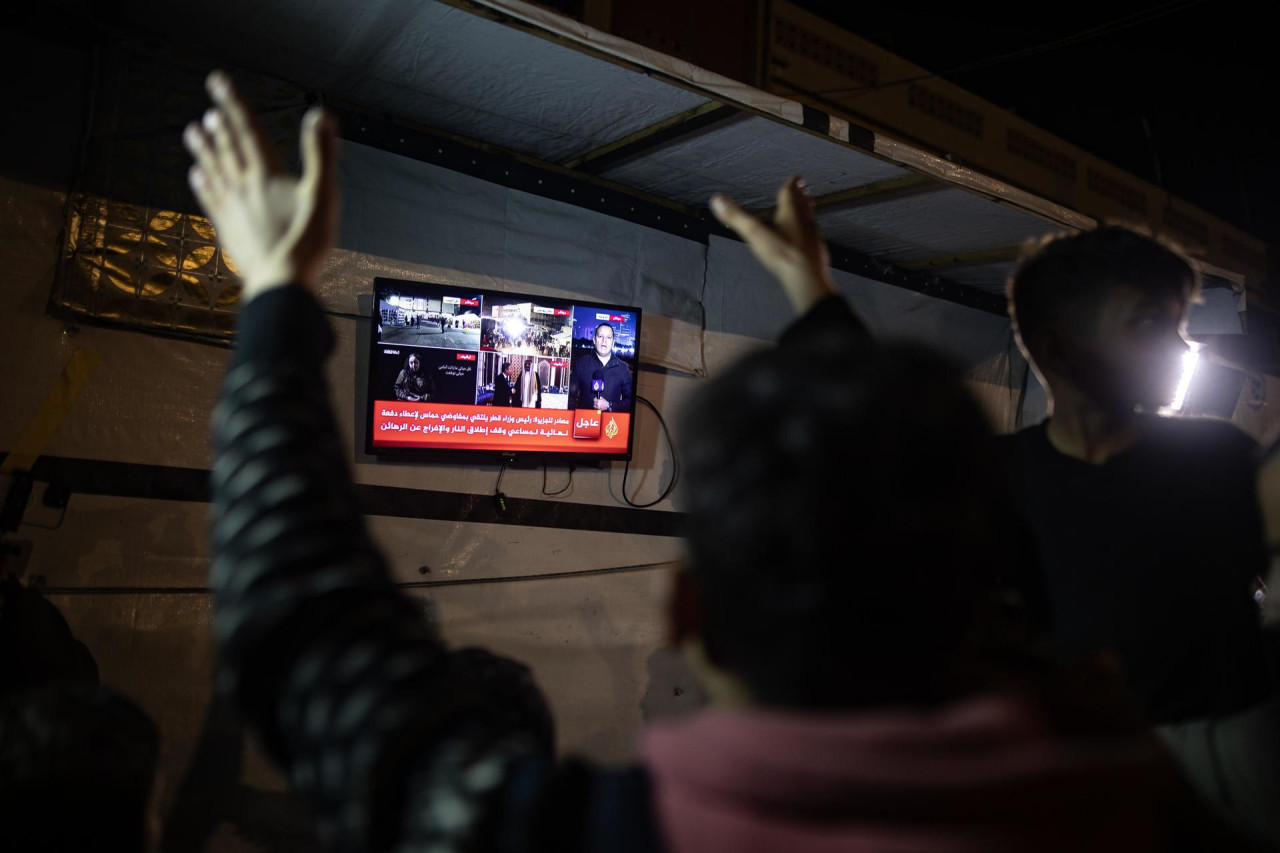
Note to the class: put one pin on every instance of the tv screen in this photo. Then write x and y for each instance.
(457, 371)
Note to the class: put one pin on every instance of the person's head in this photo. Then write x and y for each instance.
(412, 364)
(511, 368)
(1100, 314)
(603, 337)
(845, 520)
(77, 765)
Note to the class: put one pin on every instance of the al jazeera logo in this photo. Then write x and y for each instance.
(611, 429)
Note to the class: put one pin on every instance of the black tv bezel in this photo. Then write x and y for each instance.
(514, 458)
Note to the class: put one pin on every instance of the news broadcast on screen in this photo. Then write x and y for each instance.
(459, 370)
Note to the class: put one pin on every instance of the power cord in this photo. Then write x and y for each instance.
(499, 499)
(561, 491)
(675, 463)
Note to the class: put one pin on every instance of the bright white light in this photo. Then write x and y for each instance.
(514, 327)
(1190, 359)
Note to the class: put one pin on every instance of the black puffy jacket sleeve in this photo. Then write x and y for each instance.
(396, 741)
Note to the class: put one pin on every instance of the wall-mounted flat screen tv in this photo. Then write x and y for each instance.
(463, 372)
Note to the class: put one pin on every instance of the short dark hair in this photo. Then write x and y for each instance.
(845, 515)
(1063, 278)
(608, 326)
(77, 764)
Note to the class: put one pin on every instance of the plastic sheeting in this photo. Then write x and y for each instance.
(748, 158)
(929, 225)
(1217, 313)
(747, 307)
(993, 278)
(605, 625)
(135, 258)
(500, 83)
(744, 300)
(466, 229)
(962, 176)
(430, 63)
(540, 96)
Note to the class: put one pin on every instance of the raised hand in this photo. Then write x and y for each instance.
(275, 226)
(791, 248)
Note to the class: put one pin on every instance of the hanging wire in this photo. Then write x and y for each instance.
(675, 463)
(561, 491)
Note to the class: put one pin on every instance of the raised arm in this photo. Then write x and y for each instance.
(351, 690)
(791, 248)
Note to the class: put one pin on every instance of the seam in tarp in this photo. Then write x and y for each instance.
(204, 590)
(165, 482)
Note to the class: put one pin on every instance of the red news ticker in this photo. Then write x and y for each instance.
(469, 302)
(448, 426)
(563, 312)
(466, 356)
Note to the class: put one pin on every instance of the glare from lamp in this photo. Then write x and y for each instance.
(1190, 359)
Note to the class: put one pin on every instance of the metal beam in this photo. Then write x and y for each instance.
(645, 139)
(963, 259)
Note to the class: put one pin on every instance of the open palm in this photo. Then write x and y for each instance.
(275, 225)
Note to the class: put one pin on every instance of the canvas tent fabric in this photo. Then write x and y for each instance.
(541, 87)
(538, 86)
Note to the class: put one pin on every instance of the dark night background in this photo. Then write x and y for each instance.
(1178, 93)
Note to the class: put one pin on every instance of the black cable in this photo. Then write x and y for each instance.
(499, 499)
(675, 463)
(544, 482)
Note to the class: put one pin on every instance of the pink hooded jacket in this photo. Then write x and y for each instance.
(982, 775)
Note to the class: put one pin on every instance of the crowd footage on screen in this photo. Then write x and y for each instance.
(434, 317)
(522, 327)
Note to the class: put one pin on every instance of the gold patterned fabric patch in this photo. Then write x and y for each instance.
(136, 252)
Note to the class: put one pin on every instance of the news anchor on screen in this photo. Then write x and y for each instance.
(601, 380)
